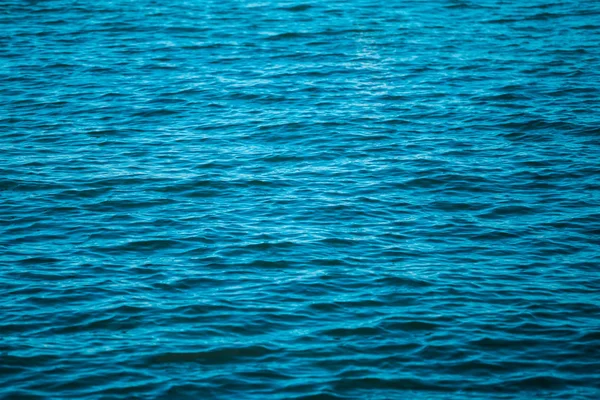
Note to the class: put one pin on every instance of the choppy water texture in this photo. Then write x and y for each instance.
(265, 200)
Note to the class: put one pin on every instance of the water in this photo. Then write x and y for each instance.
(282, 199)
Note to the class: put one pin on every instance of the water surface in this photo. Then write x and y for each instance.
(299, 199)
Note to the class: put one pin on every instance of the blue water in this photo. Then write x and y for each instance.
(297, 199)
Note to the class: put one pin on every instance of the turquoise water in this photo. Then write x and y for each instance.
(282, 199)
